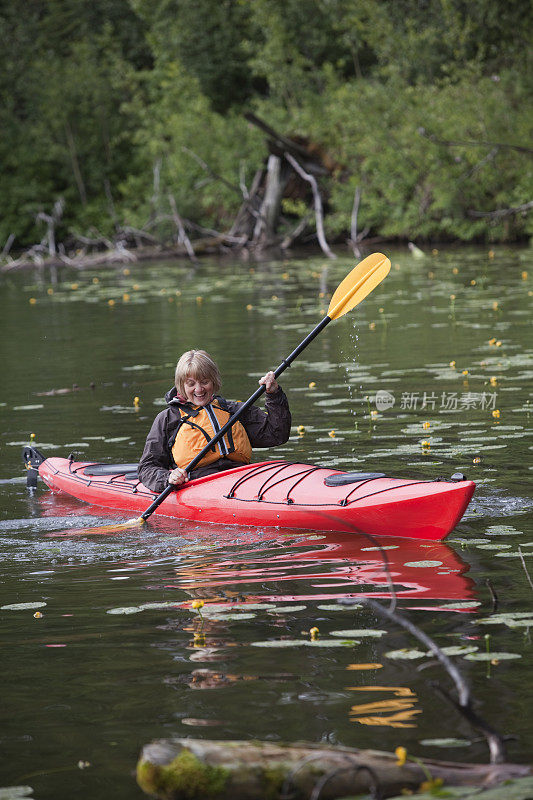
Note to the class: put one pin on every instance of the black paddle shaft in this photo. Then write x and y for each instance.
(231, 421)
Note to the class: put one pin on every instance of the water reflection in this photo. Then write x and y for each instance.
(299, 567)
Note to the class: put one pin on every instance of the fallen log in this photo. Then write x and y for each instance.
(190, 769)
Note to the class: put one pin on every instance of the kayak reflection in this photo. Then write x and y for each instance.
(246, 564)
(329, 566)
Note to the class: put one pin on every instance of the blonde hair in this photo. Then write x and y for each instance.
(199, 365)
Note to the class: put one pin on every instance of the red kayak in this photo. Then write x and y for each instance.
(280, 494)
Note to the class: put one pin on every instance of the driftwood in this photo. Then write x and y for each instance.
(290, 172)
(189, 769)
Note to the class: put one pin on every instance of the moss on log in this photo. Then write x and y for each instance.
(188, 769)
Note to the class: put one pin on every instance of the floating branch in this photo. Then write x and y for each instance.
(189, 769)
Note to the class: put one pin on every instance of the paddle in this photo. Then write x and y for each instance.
(353, 289)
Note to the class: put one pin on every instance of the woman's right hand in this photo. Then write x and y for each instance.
(178, 476)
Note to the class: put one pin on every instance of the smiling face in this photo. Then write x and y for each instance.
(198, 391)
(197, 378)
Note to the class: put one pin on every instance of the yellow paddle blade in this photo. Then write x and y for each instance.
(358, 284)
(99, 529)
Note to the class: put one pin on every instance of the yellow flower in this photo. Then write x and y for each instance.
(374, 413)
(401, 755)
(465, 372)
(455, 271)
(452, 364)
(428, 786)
(496, 413)
(434, 252)
(301, 430)
(524, 275)
(492, 341)
(38, 615)
(476, 460)
(331, 434)
(32, 301)
(136, 401)
(313, 633)
(125, 297)
(426, 425)
(372, 326)
(452, 297)
(249, 307)
(493, 381)
(196, 604)
(495, 305)
(498, 344)
(426, 444)
(110, 302)
(312, 385)
(473, 282)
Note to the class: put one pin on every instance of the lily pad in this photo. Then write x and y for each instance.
(461, 605)
(423, 564)
(215, 609)
(514, 554)
(21, 606)
(281, 643)
(505, 618)
(450, 742)
(306, 643)
(494, 546)
(405, 654)
(520, 623)
(458, 650)
(285, 609)
(385, 547)
(336, 607)
(333, 643)
(368, 632)
(492, 656)
(501, 530)
(232, 617)
(14, 792)
(124, 610)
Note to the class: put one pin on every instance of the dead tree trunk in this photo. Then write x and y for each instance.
(264, 234)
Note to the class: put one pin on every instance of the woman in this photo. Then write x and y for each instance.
(195, 412)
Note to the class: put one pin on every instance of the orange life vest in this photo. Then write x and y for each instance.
(198, 426)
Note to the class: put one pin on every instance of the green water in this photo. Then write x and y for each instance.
(81, 684)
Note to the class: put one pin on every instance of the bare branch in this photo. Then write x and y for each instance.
(447, 143)
(319, 217)
(182, 235)
(503, 212)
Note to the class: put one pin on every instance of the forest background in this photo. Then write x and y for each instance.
(423, 107)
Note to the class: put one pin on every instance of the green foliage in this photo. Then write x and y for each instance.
(113, 105)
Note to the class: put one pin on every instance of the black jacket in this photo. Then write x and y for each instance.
(264, 428)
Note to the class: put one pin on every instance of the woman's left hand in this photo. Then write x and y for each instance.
(270, 382)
